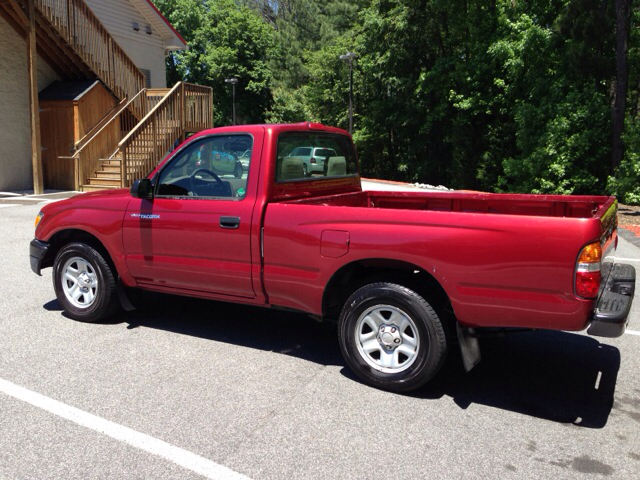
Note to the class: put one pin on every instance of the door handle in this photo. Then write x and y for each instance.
(229, 222)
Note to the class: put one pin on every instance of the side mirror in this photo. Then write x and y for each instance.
(142, 189)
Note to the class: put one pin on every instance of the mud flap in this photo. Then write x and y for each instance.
(125, 303)
(469, 346)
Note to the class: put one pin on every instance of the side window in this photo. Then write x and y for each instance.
(210, 167)
(310, 155)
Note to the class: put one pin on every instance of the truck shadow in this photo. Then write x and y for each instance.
(557, 376)
(284, 332)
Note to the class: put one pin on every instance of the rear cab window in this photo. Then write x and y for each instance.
(313, 156)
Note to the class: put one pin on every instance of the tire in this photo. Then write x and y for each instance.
(305, 170)
(84, 283)
(391, 338)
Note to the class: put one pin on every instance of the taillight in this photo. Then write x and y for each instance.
(312, 159)
(588, 274)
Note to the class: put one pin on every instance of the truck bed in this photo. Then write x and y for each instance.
(503, 260)
(473, 202)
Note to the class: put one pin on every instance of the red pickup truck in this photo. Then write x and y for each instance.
(407, 276)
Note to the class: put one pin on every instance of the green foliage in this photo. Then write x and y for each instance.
(625, 184)
(301, 27)
(495, 95)
(564, 145)
(225, 39)
(327, 96)
(625, 181)
(562, 126)
(288, 106)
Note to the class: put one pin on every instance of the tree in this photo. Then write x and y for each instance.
(499, 95)
(559, 99)
(623, 18)
(187, 18)
(625, 180)
(225, 39)
(303, 27)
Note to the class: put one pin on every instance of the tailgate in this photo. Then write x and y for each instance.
(618, 281)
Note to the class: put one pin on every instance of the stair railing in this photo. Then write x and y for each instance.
(186, 108)
(101, 141)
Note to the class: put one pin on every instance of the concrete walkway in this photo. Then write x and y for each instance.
(27, 197)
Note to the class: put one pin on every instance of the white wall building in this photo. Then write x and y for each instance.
(15, 120)
(135, 25)
(142, 32)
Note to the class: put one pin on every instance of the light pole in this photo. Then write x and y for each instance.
(350, 57)
(233, 81)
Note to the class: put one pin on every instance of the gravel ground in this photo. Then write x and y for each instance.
(629, 223)
(628, 214)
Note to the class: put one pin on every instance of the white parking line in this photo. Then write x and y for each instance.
(179, 456)
(618, 260)
(632, 332)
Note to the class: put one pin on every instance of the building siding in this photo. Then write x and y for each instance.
(146, 51)
(15, 125)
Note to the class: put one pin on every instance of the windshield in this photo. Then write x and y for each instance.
(333, 156)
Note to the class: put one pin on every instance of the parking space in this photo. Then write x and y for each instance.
(187, 388)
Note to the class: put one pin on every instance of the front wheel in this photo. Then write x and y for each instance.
(84, 283)
(391, 337)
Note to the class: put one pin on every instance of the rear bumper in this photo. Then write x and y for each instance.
(37, 252)
(611, 312)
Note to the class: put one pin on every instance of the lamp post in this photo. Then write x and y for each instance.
(233, 81)
(350, 57)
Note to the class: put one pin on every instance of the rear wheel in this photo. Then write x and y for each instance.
(84, 283)
(391, 337)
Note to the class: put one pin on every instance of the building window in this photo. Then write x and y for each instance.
(147, 77)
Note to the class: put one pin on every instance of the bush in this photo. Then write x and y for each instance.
(625, 183)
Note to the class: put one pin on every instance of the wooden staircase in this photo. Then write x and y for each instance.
(109, 173)
(129, 141)
(105, 178)
(186, 108)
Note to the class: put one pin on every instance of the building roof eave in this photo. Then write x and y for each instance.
(172, 38)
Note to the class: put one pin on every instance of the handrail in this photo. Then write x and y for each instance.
(81, 29)
(151, 112)
(106, 121)
(186, 108)
(108, 118)
(105, 136)
(139, 105)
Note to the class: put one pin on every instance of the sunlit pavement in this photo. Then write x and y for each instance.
(186, 388)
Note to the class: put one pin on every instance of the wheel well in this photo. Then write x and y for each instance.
(355, 275)
(64, 237)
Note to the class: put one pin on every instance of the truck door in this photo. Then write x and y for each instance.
(195, 234)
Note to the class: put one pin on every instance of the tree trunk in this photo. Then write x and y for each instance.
(623, 19)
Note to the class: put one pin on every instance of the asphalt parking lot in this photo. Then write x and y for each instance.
(187, 388)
